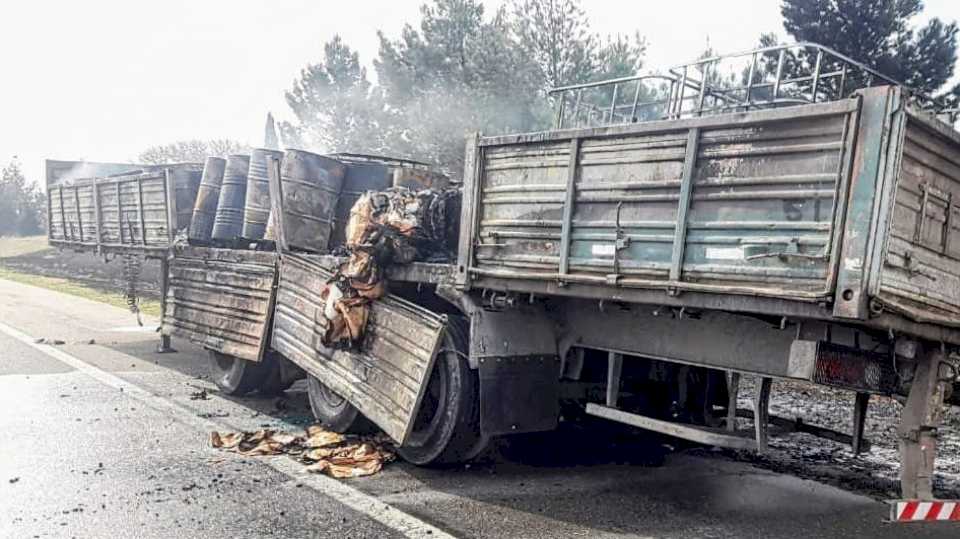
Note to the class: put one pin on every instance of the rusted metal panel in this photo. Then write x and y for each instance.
(920, 274)
(310, 187)
(742, 204)
(135, 211)
(385, 379)
(221, 299)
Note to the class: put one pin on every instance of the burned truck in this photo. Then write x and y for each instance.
(671, 234)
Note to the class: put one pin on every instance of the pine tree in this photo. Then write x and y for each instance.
(881, 34)
(334, 104)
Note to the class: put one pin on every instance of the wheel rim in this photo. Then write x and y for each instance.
(224, 362)
(329, 397)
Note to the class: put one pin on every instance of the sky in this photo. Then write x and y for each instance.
(104, 79)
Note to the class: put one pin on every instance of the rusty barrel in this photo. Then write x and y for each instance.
(186, 182)
(256, 208)
(311, 184)
(228, 222)
(205, 209)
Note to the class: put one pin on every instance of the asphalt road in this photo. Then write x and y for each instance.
(99, 437)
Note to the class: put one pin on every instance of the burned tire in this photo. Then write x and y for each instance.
(447, 427)
(238, 377)
(332, 410)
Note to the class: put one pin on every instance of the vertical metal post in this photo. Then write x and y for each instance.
(761, 413)
(63, 214)
(680, 91)
(918, 426)
(560, 107)
(750, 75)
(76, 201)
(164, 346)
(683, 206)
(576, 108)
(570, 199)
(119, 216)
(922, 217)
(703, 87)
(613, 102)
(733, 392)
(779, 79)
(171, 191)
(143, 221)
(96, 212)
(843, 81)
(859, 420)
(614, 368)
(947, 225)
(816, 75)
(636, 101)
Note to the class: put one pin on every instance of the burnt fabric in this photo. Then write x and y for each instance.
(395, 226)
(322, 451)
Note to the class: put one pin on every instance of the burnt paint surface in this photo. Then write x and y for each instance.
(221, 299)
(385, 379)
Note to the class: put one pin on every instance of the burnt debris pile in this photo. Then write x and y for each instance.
(395, 226)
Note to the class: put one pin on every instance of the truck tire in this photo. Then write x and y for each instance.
(237, 377)
(447, 427)
(330, 409)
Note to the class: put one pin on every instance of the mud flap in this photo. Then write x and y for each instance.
(516, 354)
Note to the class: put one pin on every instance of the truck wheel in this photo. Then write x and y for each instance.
(447, 427)
(332, 410)
(237, 377)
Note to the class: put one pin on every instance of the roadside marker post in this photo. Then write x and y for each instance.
(924, 511)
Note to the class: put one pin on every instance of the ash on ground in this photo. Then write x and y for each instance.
(875, 471)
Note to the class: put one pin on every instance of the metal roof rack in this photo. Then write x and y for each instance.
(768, 77)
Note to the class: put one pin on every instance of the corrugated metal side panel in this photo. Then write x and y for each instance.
(921, 270)
(760, 191)
(386, 378)
(707, 206)
(221, 298)
(126, 212)
(522, 193)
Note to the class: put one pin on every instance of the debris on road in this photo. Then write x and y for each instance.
(201, 395)
(14, 480)
(46, 340)
(322, 451)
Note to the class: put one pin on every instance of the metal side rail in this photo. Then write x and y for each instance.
(704, 435)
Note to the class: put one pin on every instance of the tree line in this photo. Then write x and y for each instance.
(463, 70)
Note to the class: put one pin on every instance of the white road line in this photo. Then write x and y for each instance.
(384, 513)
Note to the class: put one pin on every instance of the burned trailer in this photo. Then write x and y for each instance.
(794, 227)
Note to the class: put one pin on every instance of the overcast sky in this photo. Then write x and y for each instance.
(104, 79)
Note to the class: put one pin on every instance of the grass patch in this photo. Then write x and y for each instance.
(147, 306)
(12, 247)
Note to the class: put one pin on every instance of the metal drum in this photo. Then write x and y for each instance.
(228, 222)
(311, 184)
(186, 183)
(257, 205)
(205, 209)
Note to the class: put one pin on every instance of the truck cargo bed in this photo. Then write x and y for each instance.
(809, 210)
